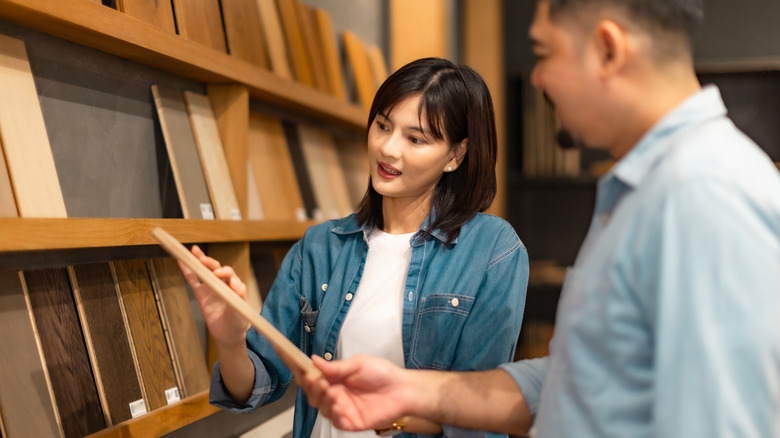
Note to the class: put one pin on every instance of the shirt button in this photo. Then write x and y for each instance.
(324, 287)
(410, 295)
(307, 328)
(328, 356)
(348, 297)
(455, 302)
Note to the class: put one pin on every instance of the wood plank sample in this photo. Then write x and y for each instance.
(146, 331)
(353, 156)
(245, 31)
(26, 391)
(65, 354)
(183, 153)
(310, 202)
(212, 156)
(273, 171)
(231, 106)
(157, 12)
(277, 48)
(322, 164)
(378, 65)
(330, 50)
(336, 177)
(23, 136)
(7, 202)
(254, 209)
(312, 46)
(200, 21)
(176, 314)
(105, 333)
(357, 55)
(295, 46)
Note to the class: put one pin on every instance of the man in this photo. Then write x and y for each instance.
(667, 320)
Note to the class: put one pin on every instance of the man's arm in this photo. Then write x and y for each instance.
(364, 393)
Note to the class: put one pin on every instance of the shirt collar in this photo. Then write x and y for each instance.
(350, 225)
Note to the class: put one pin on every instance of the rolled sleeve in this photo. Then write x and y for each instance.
(220, 397)
(529, 375)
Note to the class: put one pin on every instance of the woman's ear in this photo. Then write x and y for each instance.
(457, 153)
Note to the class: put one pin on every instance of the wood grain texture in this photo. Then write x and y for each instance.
(277, 47)
(332, 55)
(212, 156)
(156, 12)
(273, 169)
(179, 323)
(146, 331)
(65, 354)
(317, 165)
(23, 136)
(200, 21)
(107, 342)
(183, 153)
(378, 65)
(294, 42)
(254, 207)
(357, 55)
(26, 390)
(417, 30)
(7, 202)
(245, 31)
(353, 156)
(336, 176)
(312, 45)
(231, 106)
(305, 182)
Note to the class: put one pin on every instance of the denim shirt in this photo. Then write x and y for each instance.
(463, 305)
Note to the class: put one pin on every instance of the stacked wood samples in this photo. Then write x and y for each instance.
(7, 203)
(273, 171)
(107, 341)
(295, 46)
(212, 156)
(146, 332)
(305, 183)
(312, 46)
(176, 313)
(277, 48)
(158, 12)
(25, 392)
(62, 342)
(23, 137)
(365, 82)
(331, 54)
(183, 153)
(244, 31)
(200, 21)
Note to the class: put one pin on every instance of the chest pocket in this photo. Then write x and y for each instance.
(440, 320)
(309, 321)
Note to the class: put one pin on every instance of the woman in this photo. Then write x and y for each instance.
(417, 275)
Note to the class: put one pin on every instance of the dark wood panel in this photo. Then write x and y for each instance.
(146, 332)
(106, 336)
(64, 350)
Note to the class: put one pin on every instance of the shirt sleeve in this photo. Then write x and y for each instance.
(220, 397)
(529, 375)
(716, 276)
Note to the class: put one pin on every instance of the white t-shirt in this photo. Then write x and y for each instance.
(373, 323)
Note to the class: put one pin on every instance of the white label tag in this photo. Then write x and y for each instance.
(137, 408)
(206, 211)
(172, 395)
(300, 215)
(235, 214)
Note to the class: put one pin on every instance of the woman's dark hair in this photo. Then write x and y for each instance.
(457, 106)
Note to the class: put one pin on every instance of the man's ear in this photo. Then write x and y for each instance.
(611, 45)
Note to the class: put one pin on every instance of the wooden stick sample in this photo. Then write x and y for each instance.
(212, 156)
(179, 324)
(62, 342)
(292, 356)
(277, 48)
(159, 12)
(294, 38)
(7, 202)
(273, 169)
(200, 21)
(106, 337)
(145, 328)
(23, 135)
(245, 31)
(26, 390)
(312, 46)
(357, 55)
(183, 153)
(331, 53)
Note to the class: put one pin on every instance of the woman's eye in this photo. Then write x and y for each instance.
(416, 140)
(382, 126)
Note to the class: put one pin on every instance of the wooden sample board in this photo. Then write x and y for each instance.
(312, 46)
(7, 202)
(353, 156)
(176, 313)
(272, 169)
(331, 54)
(200, 21)
(146, 331)
(357, 54)
(157, 12)
(26, 390)
(244, 31)
(296, 48)
(183, 153)
(336, 177)
(254, 205)
(378, 65)
(64, 352)
(327, 179)
(23, 136)
(212, 156)
(231, 107)
(105, 333)
(277, 48)
(305, 183)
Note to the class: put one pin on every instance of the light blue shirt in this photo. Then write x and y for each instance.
(669, 320)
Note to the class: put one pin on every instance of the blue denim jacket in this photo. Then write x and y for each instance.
(485, 268)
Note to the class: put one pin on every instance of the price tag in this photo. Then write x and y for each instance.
(172, 395)
(137, 408)
(235, 214)
(206, 211)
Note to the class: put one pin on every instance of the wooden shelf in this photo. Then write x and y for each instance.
(164, 420)
(49, 234)
(90, 24)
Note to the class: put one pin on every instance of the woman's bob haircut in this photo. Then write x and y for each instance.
(457, 106)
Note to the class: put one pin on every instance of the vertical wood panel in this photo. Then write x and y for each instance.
(313, 210)
(418, 29)
(277, 48)
(200, 21)
(25, 391)
(231, 107)
(57, 323)
(378, 65)
(7, 202)
(294, 38)
(244, 31)
(353, 155)
(316, 166)
(331, 54)
(312, 46)
(357, 55)
(157, 12)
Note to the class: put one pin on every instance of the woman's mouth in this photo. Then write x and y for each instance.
(387, 171)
